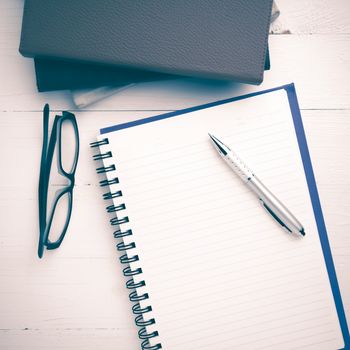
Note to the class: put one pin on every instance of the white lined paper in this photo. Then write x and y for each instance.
(212, 258)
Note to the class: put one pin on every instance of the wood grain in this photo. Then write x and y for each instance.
(316, 16)
(75, 297)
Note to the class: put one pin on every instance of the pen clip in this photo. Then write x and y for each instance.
(269, 210)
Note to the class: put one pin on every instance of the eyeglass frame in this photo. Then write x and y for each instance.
(48, 149)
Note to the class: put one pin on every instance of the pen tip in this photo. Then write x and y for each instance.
(222, 148)
(302, 232)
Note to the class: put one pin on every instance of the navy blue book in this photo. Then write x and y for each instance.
(207, 267)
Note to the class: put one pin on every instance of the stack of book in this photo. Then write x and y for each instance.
(79, 45)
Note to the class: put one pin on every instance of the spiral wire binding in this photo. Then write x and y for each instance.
(126, 259)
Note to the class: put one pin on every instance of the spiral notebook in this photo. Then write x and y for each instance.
(207, 267)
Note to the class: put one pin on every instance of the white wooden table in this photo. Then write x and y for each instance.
(74, 298)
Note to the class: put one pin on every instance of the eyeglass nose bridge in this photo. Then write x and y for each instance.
(71, 178)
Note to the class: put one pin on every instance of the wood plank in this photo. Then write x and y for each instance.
(316, 16)
(69, 339)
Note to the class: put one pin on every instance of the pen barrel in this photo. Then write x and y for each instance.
(274, 206)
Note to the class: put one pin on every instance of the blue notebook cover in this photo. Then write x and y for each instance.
(299, 130)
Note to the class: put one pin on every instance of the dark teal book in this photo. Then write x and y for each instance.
(65, 75)
(62, 75)
(224, 40)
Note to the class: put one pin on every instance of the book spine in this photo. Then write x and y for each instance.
(136, 284)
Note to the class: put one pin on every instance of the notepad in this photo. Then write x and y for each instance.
(210, 269)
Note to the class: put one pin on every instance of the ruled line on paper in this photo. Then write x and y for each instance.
(190, 184)
(218, 229)
(146, 181)
(285, 333)
(299, 338)
(178, 212)
(245, 287)
(178, 313)
(171, 301)
(187, 162)
(304, 346)
(219, 270)
(190, 146)
(277, 319)
(250, 245)
(193, 188)
(265, 237)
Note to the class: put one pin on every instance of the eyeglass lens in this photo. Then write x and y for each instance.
(68, 145)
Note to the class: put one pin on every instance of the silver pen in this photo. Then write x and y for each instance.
(270, 202)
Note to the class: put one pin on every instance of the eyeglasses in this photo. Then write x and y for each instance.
(67, 160)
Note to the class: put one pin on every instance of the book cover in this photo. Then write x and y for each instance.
(225, 40)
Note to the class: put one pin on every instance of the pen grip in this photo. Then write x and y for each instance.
(239, 167)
